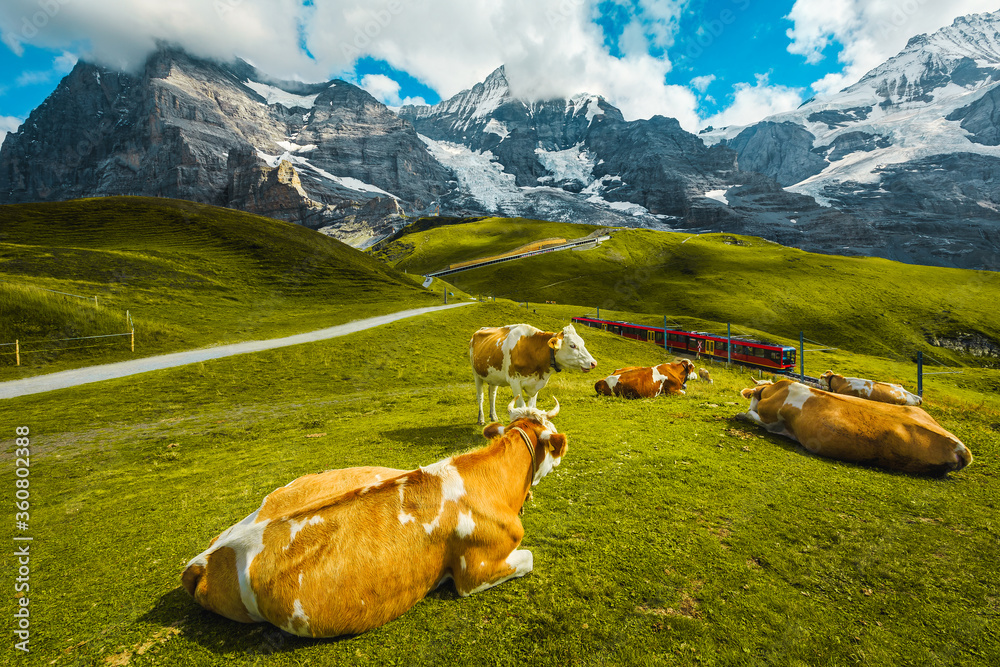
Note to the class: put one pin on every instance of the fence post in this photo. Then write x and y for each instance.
(664, 332)
(133, 340)
(95, 301)
(802, 358)
(920, 374)
(729, 344)
(17, 351)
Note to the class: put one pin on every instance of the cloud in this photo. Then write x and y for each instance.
(551, 49)
(386, 90)
(8, 124)
(701, 83)
(751, 103)
(869, 32)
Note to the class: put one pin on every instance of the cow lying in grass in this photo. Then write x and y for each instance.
(870, 389)
(647, 381)
(344, 551)
(894, 437)
(522, 357)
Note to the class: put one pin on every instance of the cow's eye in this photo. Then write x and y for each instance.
(572, 346)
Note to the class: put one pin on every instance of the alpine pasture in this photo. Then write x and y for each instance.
(671, 533)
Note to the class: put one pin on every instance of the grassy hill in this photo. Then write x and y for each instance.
(670, 534)
(189, 275)
(862, 304)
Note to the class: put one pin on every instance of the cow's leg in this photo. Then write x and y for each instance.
(479, 399)
(518, 389)
(479, 570)
(493, 402)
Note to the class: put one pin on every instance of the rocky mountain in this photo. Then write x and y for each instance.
(910, 150)
(325, 155)
(901, 165)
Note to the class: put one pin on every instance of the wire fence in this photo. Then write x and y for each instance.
(33, 347)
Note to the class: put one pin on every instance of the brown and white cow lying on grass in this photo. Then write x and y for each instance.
(522, 357)
(894, 437)
(870, 389)
(344, 551)
(647, 381)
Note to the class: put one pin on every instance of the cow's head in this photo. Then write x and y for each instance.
(570, 350)
(825, 380)
(689, 372)
(550, 446)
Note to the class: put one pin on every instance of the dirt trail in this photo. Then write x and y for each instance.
(78, 376)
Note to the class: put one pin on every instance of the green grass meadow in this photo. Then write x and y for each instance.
(189, 275)
(671, 534)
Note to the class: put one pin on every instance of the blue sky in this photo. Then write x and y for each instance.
(701, 61)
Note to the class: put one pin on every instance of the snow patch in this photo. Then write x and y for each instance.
(572, 164)
(478, 174)
(346, 181)
(497, 128)
(718, 195)
(273, 95)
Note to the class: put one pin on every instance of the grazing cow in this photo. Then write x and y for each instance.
(705, 375)
(522, 357)
(345, 551)
(647, 381)
(870, 389)
(894, 437)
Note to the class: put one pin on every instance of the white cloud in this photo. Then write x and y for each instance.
(751, 103)
(386, 90)
(701, 83)
(8, 124)
(869, 31)
(551, 48)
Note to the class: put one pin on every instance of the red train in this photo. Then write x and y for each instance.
(745, 351)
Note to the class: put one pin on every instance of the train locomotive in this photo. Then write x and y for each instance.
(745, 351)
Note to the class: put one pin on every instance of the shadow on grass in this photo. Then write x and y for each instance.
(452, 437)
(222, 636)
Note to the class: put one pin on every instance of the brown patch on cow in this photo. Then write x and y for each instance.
(530, 355)
(216, 585)
(487, 349)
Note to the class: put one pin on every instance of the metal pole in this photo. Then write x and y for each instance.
(17, 351)
(802, 358)
(664, 332)
(920, 374)
(729, 344)
(598, 312)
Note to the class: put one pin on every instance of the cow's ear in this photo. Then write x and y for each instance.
(493, 430)
(556, 444)
(748, 392)
(556, 341)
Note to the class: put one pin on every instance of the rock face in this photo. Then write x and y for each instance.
(909, 151)
(318, 154)
(903, 164)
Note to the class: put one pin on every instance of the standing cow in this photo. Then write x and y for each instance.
(345, 551)
(522, 357)
(894, 437)
(870, 389)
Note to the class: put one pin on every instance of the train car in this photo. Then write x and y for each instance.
(745, 351)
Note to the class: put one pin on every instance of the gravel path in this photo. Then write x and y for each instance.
(61, 380)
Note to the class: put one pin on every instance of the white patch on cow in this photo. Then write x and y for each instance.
(657, 376)
(404, 518)
(452, 487)
(863, 387)
(546, 466)
(797, 395)
(465, 525)
(612, 380)
(462, 561)
(298, 614)
(295, 526)
(520, 560)
(300, 579)
(545, 435)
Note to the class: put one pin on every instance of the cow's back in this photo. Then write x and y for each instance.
(486, 350)
(897, 437)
